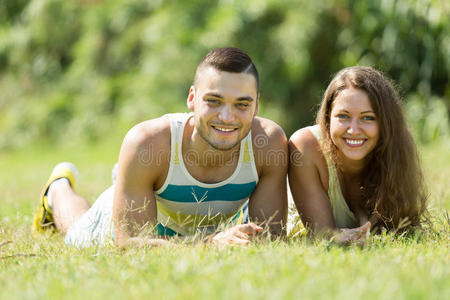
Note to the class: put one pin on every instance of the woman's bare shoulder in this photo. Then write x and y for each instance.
(305, 152)
(304, 141)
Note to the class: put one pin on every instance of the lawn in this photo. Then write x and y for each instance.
(44, 268)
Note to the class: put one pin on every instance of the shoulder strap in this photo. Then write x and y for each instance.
(315, 130)
(177, 122)
(249, 155)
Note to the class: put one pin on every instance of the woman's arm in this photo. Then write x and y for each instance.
(307, 186)
(308, 180)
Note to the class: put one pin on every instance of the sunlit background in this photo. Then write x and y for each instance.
(78, 71)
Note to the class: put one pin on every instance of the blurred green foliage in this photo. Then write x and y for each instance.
(80, 69)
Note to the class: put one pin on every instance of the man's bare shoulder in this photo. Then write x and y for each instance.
(149, 134)
(265, 131)
(269, 144)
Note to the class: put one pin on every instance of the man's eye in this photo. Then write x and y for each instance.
(212, 101)
(242, 105)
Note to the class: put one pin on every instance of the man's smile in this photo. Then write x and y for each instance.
(224, 129)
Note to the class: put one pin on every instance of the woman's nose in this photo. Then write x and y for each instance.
(353, 127)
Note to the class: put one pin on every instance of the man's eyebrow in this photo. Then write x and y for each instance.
(246, 98)
(213, 95)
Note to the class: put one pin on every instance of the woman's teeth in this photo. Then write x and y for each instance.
(354, 142)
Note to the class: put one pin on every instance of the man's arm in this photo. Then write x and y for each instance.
(268, 203)
(134, 207)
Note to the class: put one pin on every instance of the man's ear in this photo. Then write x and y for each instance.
(191, 98)
(257, 105)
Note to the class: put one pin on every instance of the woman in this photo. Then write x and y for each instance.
(358, 167)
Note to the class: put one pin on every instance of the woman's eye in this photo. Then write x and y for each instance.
(242, 105)
(342, 116)
(369, 118)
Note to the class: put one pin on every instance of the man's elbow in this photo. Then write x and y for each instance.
(277, 230)
(121, 239)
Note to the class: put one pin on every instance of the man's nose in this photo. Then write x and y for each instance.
(226, 114)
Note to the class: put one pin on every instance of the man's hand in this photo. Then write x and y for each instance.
(237, 235)
(146, 243)
(358, 236)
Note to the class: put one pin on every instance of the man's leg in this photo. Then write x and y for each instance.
(67, 205)
(59, 205)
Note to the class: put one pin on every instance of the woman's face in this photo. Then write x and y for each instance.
(353, 124)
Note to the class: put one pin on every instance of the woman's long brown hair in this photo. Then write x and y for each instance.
(393, 189)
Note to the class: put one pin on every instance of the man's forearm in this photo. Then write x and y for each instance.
(142, 242)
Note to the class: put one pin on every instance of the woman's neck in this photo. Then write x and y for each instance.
(352, 168)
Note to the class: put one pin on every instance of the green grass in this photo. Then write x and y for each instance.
(402, 268)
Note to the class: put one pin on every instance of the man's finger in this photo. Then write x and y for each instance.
(158, 243)
(237, 241)
(241, 235)
(250, 228)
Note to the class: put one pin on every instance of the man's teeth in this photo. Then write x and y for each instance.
(224, 129)
(354, 142)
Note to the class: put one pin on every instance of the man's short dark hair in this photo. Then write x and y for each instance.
(229, 59)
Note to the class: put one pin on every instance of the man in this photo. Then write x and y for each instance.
(183, 174)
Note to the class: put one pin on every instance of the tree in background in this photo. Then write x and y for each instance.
(75, 69)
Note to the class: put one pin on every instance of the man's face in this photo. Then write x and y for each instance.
(224, 106)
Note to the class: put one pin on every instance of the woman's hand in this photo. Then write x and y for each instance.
(239, 235)
(358, 236)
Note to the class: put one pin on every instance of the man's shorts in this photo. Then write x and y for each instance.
(95, 225)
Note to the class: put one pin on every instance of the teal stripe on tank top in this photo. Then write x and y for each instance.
(228, 192)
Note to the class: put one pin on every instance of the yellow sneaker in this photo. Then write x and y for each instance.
(43, 218)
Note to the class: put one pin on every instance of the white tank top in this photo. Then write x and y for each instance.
(186, 205)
